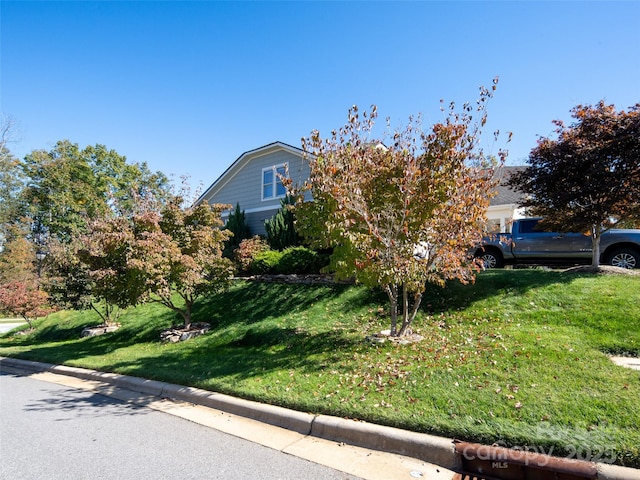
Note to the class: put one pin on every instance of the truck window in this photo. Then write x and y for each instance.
(529, 226)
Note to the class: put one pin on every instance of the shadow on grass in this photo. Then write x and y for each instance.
(248, 304)
(59, 342)
(454, 295)
(252, 302)
(258, 346)
(194, 363)
(252, 349)
(59, 331)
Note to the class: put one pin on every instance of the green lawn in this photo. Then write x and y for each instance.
(518, 358)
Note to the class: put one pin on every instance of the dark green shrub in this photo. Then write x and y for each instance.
(238, 226)
(281, 232)
(265, 262)
(300, 260)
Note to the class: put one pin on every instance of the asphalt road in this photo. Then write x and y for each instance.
(51, 431)
(6, 326)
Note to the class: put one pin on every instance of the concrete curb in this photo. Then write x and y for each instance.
(615, 472)
(429, 448)
(281, 417)
(432, 449)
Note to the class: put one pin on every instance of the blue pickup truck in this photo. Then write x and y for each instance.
(528, 244)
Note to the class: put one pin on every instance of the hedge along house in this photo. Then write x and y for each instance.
(253, 182)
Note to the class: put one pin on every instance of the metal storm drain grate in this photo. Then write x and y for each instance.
(482, 462)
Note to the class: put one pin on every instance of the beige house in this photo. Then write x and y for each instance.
(505, 206)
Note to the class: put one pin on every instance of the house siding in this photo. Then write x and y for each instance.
(243, 184)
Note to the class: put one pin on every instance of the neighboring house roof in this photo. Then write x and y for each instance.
(506, 195)
(242, 160)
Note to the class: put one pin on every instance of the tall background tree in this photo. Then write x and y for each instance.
(66, 187)
(401, 210)
(11, 180)
(20, 286)
(587, 178)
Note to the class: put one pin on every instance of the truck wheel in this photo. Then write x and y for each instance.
(491, 258)
(625, 258)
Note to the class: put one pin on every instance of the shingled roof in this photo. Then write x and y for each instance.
(506, 195)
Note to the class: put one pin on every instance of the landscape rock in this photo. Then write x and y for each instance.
(98, 330)
(180, 334)
(301, 279)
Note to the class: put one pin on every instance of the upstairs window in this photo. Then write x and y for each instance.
(272, 186)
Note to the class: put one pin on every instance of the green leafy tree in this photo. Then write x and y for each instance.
(11, 181)
(237, 225)
(587, 179)
(281, 230)
(67, 187)
(402, 210)
(73, 279)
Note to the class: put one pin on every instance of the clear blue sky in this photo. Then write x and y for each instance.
(189, 86)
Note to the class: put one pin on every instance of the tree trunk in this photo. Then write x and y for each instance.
(595, 240)
(28, 320)
(105, 320)
(186, 314)
(409, 313)
(405, 312)
(392, 293)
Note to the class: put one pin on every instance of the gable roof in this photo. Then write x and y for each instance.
(507, 195)
(242, 160)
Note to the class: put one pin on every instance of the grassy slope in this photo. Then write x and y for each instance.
(518, 358)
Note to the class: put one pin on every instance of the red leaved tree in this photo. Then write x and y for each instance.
(587, 179)
(20, 286)
(171, 255)
(24, 299)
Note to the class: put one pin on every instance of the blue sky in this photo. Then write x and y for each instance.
(189, 86)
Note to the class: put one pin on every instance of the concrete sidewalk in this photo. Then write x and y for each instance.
(628, 362)
(423, 455)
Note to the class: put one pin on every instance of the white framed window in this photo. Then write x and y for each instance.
(272, 186)
(494, 225)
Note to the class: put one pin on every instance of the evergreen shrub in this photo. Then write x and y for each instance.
(265, 262)
(301, 260)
